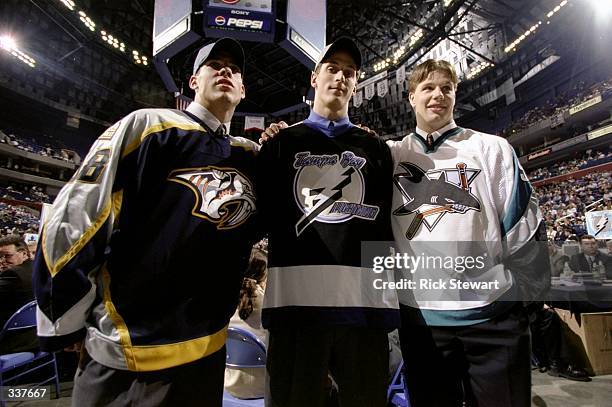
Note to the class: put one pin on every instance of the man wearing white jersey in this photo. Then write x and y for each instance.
(462, 194)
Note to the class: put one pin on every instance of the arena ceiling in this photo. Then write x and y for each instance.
(76, 69)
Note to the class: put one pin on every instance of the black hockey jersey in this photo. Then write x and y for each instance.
(143, 249)
(320, 198)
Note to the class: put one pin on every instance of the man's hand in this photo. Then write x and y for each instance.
(369, 130)
(271, 131)
(75, 347)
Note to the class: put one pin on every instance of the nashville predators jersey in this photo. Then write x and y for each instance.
(143, 250)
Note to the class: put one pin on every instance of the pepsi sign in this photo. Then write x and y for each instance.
(246, 20)
(240, 20)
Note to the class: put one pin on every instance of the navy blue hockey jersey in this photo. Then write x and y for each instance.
(320, 198)
(143, 250)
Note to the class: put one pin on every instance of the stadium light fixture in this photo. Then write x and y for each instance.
(69, 4)
(87, 21)
(603, 8)
(512, 46)
(113, 41)
(7, 42)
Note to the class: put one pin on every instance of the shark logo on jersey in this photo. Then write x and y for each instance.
(223, 195)
(433, 194)
(330, 189)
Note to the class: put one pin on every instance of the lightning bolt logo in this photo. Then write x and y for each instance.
(601, 224)
(321, 203)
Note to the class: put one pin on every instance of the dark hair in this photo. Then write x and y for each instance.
(20, 244)
(256, 273)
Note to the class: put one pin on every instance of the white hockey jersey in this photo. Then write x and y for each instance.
(468, 192)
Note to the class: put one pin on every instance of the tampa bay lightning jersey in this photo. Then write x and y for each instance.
(468, 192)
(144, 247)
(320, 198)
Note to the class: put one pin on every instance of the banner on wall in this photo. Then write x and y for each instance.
(400, 75)
(254, 123)
(357, 99)
(369, 91)
(382, 88)
(599, 224)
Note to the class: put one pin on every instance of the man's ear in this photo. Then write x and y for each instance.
(313, 79)
(193, 82)
(411, 99)
(242, 92)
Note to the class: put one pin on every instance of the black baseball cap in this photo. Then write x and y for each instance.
(226, 44)
(341, 44)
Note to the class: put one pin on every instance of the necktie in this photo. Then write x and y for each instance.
(430, 142)
(330, 127)
(220, 131)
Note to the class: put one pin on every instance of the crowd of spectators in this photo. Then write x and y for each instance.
(31, 145)
(17, 220)
(584, 160)
(21, 192)
(564, 203)
(579, 93)
(26, 166)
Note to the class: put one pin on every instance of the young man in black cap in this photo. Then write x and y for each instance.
(324, 188)
(142, 254)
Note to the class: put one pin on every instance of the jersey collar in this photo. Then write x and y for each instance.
(206, 116)
(439, 136)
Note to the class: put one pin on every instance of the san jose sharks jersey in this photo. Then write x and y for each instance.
(143, 251)
(466, 195)
(320, 198)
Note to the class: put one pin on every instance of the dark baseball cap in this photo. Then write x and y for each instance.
(229, 45)
(341, 44)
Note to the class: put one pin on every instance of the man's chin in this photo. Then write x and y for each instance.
(335, 102)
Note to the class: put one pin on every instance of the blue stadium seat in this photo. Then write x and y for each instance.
(25, 362)
(397, 392)
(244, 350)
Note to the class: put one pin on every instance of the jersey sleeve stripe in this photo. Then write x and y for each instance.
(79, 244)
(519, 201)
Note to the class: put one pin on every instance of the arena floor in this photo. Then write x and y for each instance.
(547, 391)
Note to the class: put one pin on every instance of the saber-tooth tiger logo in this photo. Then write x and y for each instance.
(431, 195)
(223, 195)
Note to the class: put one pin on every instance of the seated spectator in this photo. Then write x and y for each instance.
(15, 291)
(31, 240)
(557, 260)
(247, 383)
(591, 260)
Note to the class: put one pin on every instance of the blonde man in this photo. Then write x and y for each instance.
(461, 193)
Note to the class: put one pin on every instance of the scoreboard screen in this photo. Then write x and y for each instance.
(252, 20)
(261, 6)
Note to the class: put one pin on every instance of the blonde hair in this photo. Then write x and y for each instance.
(423, 70)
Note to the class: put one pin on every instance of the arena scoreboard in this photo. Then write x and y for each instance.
(298, 26)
